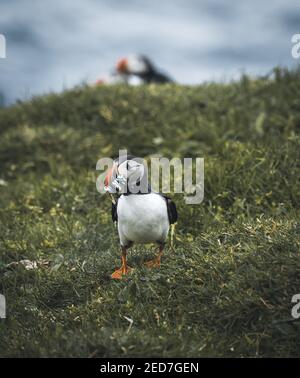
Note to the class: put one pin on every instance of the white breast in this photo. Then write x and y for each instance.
(142, 218)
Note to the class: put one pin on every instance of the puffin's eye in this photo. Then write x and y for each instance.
(130, 165)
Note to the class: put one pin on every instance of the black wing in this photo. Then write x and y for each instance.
(114, 213)
(172, 210)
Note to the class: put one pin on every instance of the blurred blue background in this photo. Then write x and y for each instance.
(52, 45)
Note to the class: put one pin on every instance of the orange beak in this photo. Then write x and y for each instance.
(108, 177)
(122, 65)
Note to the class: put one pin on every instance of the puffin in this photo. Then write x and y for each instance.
(142, 216)
(141, 67)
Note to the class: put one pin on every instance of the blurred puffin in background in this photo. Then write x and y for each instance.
(142, 216)
(140, 67)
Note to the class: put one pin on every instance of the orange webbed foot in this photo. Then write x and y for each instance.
(155, 263)
(119, 273)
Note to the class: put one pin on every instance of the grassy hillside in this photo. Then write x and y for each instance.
(226, 289)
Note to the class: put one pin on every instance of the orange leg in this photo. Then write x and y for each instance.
(125, 269)
(155, 263)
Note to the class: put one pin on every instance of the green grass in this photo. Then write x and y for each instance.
(227, 288)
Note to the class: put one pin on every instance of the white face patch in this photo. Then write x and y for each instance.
(130, 168)
(136, 65)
